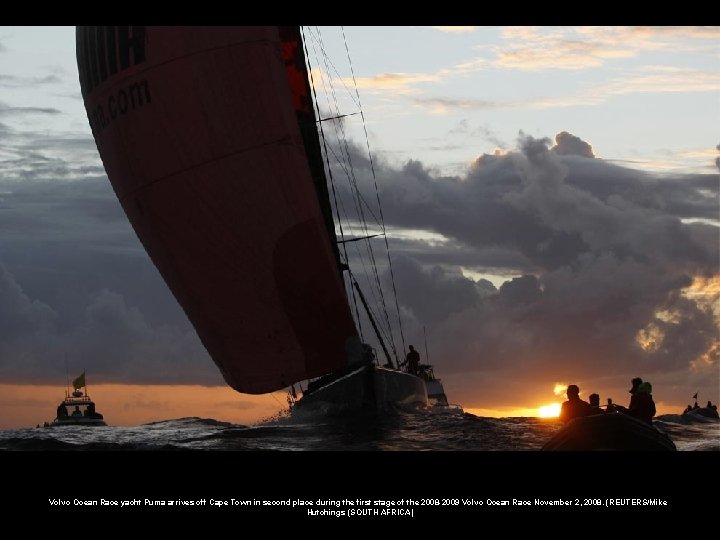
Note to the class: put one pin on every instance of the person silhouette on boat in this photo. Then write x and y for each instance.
(412, 360)
(688, 409)
(611, 407)
(642, 405)
(90, 412)
(595, 404)
(574, 407)
(636, 382)
(77, 411)
(62, 411)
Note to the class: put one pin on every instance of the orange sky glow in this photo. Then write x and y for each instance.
(25, 406)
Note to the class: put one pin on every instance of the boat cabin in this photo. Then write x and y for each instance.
(77, 409)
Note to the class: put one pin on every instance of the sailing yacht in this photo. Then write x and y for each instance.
(211, 139)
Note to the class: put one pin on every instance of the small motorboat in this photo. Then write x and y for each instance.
(77, 409)
(707, 412)
(609, 431)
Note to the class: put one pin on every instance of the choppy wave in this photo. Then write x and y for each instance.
(691, 432)
(448, 430)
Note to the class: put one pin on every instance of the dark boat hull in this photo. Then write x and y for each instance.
(610, 431)
(70, 421)
(366, 389)
(706, 412)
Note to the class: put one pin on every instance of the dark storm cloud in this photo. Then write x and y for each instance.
(434, 294)
(606, 257)
(489, 259)
(74, 279)
(676, 194)
(598, 253)
(550, 208)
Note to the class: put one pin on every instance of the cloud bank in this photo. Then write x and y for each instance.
(609, 273)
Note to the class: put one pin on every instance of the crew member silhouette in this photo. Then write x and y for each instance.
(642, 405)
(574, 407)
(413, 360)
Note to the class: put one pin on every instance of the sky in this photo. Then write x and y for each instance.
(551, 199)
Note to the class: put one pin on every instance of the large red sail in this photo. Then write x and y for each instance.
(202, 138)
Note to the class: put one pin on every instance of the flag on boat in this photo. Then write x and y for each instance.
(695, 396)
(79, 382)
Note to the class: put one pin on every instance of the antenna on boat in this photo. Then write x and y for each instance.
(67, 377)
(427, 356)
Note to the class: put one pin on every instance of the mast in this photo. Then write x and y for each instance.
(427, 356)
(359, 204)
(373, 323)
(67, 377)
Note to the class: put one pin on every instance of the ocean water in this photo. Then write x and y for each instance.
(406, 467)
(450, 430)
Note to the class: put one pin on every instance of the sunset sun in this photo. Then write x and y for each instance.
(549, 411)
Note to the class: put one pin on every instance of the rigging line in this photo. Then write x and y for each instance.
(340, 131)
(339, 127)
(372, 322)
(370, 255)
(372, 168)
(340, 160)
(342, 142)
(372, 313)
(327, 158)
(379, 286)
(351, 228)
(351, 223)
(354, 184)
(357, 198)
(382, 332)
(337, 117)
(342, 139)
(358, 194)
(340, 78)
(349, 173)
(284, 406)
(358, 239)
(361, 260)
(348, 285)
(367, 274)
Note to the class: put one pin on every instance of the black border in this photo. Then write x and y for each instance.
(677, 478)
